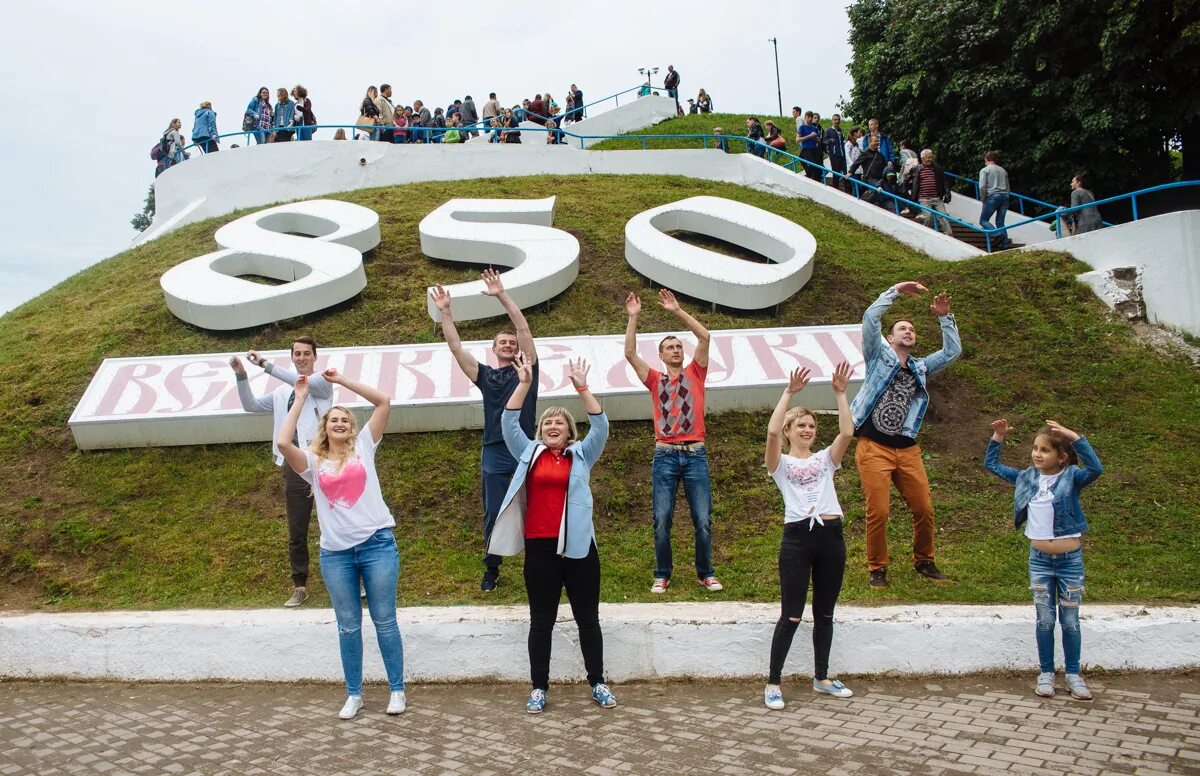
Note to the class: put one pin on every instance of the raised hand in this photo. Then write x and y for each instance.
(579, 372)
(441, 298)
(1070, 435)
(667, 300)
(1000, 428)
(235, 364)
(254, 357)
(524, 368)
(301, 388)
(841, 377)
(797, 380)
(491, 280)
(910, 288)
(633, 305)
(333, 376)
(941, 305)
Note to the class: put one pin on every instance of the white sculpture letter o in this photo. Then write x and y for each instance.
(315, 247)
(512, 233)
(713, 277)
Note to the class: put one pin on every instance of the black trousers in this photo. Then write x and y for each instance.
(837, 164)
(298, 500)
(819, 553)
(546, 574)
(812, 155)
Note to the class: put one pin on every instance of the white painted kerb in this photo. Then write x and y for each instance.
(641, 641)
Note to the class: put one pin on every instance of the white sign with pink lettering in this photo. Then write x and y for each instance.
(189, 400)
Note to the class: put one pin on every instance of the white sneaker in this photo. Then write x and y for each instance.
(350, 710)
(773, 699)
(397, 703)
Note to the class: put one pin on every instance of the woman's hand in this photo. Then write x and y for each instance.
(797, 380)
(301, 388)
(1066, 432)
(579, 372)
(841, 377)
(525, 369)
(254, 357)
(1000, 429)
(441, 298)
(633, 305)
(333, 376)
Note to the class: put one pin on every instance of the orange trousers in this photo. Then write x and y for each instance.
(878, 467)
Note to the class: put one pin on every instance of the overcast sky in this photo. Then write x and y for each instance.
(92, 85)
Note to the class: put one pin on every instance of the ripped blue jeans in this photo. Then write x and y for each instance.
(1057, 584)
(377, 564)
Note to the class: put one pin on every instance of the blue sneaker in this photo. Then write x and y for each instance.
(536, 702)
(773, 698)
(603, 696)
(834, 688)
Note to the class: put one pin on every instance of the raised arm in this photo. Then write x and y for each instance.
(494, 287)
(250, 402)
(872, 337)
(1089, 462)
(515, 438)
(991, 458)
(633, 306)
(796, 383)
(671, 305)
(951, 344)
(318, 386)
(593, 444)
(294, 456)
(466, 362)
(381, 401)
(840, 382)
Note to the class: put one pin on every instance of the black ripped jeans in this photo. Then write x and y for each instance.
(546, 573)
(821, 554)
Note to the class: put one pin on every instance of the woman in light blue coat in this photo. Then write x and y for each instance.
(547, 512)
(204, 130)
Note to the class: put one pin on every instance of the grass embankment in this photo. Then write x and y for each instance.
(203, 526)
(731, 123)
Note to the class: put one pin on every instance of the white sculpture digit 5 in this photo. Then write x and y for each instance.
(714, 277)
(512, 233)
(316, 248)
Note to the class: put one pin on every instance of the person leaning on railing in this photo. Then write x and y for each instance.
(285, 116)
(259, 116)
(305, 118)
(204, 130)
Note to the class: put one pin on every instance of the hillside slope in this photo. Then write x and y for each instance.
(203, 526)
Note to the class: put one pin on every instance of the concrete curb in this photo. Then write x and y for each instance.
(642, 641)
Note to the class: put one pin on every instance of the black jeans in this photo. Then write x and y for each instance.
(812, 155)
(837, 164)
(546, 573)
(821, 554)
(298, 500)
(207, 144)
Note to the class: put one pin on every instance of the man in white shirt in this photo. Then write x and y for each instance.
(297, 494)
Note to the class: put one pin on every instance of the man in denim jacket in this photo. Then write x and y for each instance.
(887, 414)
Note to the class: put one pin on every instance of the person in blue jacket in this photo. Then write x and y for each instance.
(547, 512)
(204, 130)
(1047, 502)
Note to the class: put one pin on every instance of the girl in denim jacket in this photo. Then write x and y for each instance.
(1047, 502)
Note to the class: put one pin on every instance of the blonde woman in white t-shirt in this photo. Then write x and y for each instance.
(813, 545)
(357, 542)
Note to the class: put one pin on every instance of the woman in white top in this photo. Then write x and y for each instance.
(357, 542)
(813, 544)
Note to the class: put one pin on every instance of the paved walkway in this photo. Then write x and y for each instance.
(1137, 724)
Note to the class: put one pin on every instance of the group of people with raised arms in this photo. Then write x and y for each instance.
(536, 489)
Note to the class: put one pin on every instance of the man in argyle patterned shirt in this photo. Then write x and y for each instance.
(677, 396)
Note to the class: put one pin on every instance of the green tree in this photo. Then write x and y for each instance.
(142, 220)
(1053, 87)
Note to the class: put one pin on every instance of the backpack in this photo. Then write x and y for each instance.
(159, 150)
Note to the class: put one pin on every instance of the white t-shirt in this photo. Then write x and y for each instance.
(807, 486)
(350, 506)
(1040, 521)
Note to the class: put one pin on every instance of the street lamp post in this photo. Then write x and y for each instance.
(778, 88)
(648, 72)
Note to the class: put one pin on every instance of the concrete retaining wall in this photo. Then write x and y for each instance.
(642, 641)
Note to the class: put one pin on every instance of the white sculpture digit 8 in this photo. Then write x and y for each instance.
(714, 277)
(511, 233)
(315, 247)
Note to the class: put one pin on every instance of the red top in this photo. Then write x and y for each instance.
(547, 494)
(678, 404)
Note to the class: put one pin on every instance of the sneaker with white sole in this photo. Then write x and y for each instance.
(603, 696)
(353, 704)
(660, 585)
(1078, 688)
(773, 698)
(1045, 685)
(536, 702)
(397, 703)
(299, 596)
(711, 584)
(834, 688)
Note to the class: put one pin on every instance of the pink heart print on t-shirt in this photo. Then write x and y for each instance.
(346, 487)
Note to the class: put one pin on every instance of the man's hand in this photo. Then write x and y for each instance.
(633, 305)
(910, 288)
(492, 283)
(1000, 429)
(1070, 435)
(235, 364)
(441, 298)
(941, 305)
(841, 377)
(667, 300)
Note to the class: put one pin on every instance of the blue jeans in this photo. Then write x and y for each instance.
(690, 466)
(497, 467)
(997, 204)
(377, 564)
(1057, 579)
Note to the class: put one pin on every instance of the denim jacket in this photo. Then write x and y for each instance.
(206, 124)
(883, 363)
(575, 533)
(1068, 514)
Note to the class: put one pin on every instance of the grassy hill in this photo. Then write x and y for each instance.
(204, 526)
